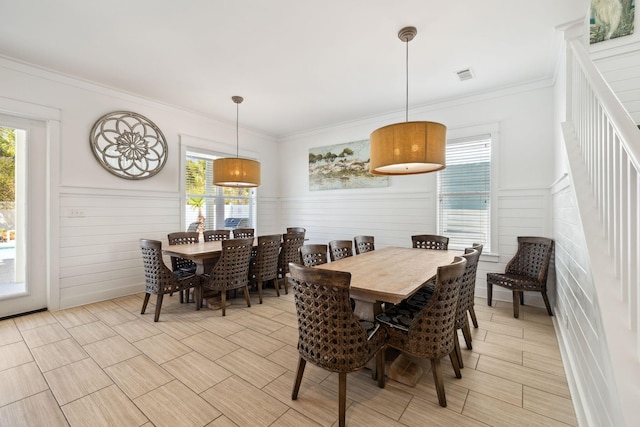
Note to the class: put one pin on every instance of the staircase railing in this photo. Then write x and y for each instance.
(610, 146)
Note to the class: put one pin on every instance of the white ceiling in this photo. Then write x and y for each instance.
(299, 64)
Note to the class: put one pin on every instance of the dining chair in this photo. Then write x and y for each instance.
(471, 295)
(363, 244)
(181, 264)
(214, 235)
(289, 252)
(296, 230)
(314, 254)
(339, 249)
(526, 271)
(243, 233)
(430, 241)
(329, 333)
(230, 272)
(263, 266)
(467, 286)
(159, 280)
(428, 333)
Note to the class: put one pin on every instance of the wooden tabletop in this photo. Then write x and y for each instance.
(390, 274)
(193, 250)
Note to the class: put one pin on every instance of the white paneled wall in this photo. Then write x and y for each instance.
(622, 72)
(99, 240)
(391, 218)
(581, 319)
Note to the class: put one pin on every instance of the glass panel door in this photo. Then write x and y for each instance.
(22, 215)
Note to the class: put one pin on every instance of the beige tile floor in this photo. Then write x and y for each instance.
(104, 364)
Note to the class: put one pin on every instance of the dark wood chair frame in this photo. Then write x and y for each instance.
(526, 271)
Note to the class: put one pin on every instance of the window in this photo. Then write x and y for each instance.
(464, 193)
(208, 207)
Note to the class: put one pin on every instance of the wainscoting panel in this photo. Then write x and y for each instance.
(391, 218)
(99, 250)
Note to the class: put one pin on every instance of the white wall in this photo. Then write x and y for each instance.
(523, 158)
(97, 255)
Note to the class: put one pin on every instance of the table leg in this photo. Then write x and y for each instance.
(398, 367)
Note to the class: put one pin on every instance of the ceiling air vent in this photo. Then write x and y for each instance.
(465, 74)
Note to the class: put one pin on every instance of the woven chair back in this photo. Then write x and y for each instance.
(430, 334)
(291, 243)
(339, 249)
(296, 230)
(468, 286)
(363, 244)
(243, 233)
(330, 335)
(314, 254)
(430, 241)
(215, 235)
(264, 265)
(183, 238)
(157, 276)
(532, 258)
(232, 270)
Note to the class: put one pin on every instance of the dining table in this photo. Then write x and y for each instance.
(388, 276)
(203, 254)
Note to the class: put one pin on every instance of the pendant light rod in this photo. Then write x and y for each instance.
(238, 100)
(406, 35)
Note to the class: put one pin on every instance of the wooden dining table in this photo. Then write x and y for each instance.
(388, 275)
(203, 254)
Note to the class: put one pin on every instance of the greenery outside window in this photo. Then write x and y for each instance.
(209, 207)
(464, 193)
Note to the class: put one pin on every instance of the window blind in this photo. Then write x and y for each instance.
(464, 193)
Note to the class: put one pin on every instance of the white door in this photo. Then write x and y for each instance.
(23, 224)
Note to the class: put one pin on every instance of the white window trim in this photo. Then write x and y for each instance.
(492, 129)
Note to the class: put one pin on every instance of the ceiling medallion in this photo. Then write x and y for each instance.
(128, 145)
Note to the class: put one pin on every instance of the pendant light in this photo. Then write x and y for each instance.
(236, 171)
(410, 147)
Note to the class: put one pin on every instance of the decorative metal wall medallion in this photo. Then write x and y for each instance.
(128, 145)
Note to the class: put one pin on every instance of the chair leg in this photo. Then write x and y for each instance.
(296, 385)
(260, 291)
(516, 305)
(489, 293)
(521, 298)
(456, 350)
(158, 306)
(181, 294)
(546, 302)
(342, 398)
(454, 363)
(439, 382)
(145, 302)
(466, 331)
(474, 320)
(246, 296)
(276, 284)
(286, 285)
(223, 301)
(197, 292)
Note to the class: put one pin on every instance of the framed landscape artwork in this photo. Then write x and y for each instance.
(342, 166)
(611, 19)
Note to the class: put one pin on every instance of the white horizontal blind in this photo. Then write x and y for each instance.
(216, 207)
(464, 193)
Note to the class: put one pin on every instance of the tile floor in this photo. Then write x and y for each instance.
(104, 364)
